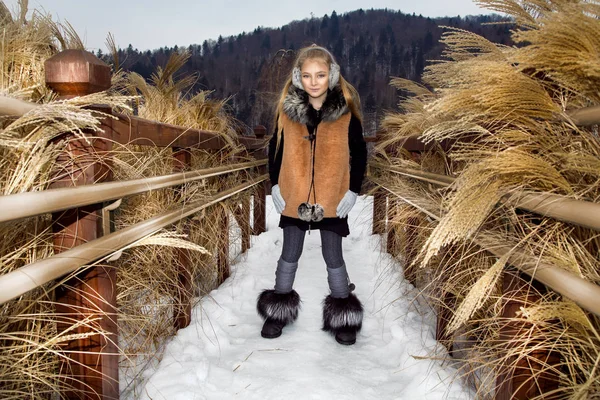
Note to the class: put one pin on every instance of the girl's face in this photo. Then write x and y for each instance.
(315, 78)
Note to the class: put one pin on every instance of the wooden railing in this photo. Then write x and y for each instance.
(509, 384)
(82, 235)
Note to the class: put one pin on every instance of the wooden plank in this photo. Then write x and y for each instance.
(92, 363)
(260, 208)
(223, 270)
(131, 129)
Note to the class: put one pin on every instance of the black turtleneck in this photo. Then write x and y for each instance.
(314, 118)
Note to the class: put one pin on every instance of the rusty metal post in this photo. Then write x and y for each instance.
(529, 375)
(223, 270)
(90, 366)
(182, 160)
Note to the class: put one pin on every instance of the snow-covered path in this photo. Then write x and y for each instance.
(221, 355)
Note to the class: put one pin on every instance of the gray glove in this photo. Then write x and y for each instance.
(346, 204)
(277, 199)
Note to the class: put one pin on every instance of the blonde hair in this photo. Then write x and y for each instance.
(315, 52)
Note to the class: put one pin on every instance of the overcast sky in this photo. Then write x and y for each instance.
(150, 24)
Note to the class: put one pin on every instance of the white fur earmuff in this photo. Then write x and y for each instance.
(334, 76)
(297, 78)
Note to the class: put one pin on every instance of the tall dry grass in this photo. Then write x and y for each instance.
(149, 276)
(32, 343)
(504, 112)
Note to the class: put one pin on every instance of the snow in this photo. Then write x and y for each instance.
(221, 355)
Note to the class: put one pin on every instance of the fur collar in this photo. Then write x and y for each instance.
(296, 105)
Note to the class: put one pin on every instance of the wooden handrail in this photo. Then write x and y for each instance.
(581, 291)
(578, 212)
(129, 129)
(31, 276)
(568, 284)
(22, 205)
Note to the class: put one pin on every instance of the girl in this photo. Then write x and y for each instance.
(317, 160)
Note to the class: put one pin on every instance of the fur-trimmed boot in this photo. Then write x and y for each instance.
(278, 310)
(342, 317)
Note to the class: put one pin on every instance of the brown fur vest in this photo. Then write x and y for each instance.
(332, 154)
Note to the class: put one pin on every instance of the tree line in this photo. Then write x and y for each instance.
(371, 46)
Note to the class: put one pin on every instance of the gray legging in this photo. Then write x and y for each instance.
(331, 245)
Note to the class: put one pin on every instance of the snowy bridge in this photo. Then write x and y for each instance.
(221, 354)
(217, 351)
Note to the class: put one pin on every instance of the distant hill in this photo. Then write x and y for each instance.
(370, 45)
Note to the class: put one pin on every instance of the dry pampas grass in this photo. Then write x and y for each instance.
(31, 341)
(150, 271)
(497, 120)
(149, 276)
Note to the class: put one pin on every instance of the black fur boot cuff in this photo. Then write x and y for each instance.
(278, 307)
(342, 314)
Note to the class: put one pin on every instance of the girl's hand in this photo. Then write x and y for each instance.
(277, 199)
(346, 204)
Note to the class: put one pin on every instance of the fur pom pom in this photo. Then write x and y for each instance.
(305, 212)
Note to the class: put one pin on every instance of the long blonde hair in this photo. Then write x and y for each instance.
(322, 54)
